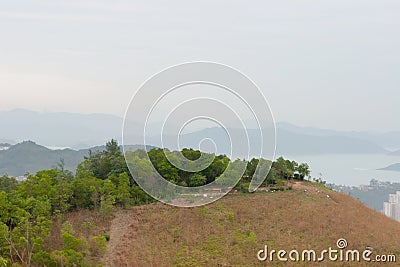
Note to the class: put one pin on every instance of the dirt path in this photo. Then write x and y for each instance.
(122, 231)
(312, 190)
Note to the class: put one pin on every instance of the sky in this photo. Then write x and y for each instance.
(328, 64)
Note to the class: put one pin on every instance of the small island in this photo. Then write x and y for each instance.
(392, 167)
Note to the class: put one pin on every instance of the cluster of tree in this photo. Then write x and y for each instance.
(101, 182)
(28, 208)
(288, 170)
(181, 177)
(281, 169)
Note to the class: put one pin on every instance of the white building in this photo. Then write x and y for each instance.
(392, 207)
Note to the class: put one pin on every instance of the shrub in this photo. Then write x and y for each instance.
(43, 258)
(71, 242)
(99, 244)
(244, 187)
(107, 237)
(69, 258)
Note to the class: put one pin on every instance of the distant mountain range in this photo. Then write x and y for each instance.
(287, 142)
(58, 129)
(386, 140)
(78, 132)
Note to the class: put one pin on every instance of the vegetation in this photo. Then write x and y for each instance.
(31, 210)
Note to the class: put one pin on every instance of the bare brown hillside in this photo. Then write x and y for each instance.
(231, 231)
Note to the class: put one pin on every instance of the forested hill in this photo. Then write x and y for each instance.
(58, 218)
(29, 157)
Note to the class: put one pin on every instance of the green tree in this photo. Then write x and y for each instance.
(108, 196)
(86, 193)
(122, 195)
(74, 249)
(107, 162)
(197, 179)
(302, 171)
(84, 169)
(8, 184)
(284, 169)
(251, 167)
(24, 226)
(52, 185)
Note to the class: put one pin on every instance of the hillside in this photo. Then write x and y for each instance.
(232, 230)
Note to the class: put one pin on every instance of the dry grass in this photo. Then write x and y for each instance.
(232, 230)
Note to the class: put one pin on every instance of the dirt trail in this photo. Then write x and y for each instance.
(122, 231)
(312, 190)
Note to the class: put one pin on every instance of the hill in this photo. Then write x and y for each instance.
(392, 167)
(232, 230)
(29, 157)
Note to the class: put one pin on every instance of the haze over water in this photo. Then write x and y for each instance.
(350, 169)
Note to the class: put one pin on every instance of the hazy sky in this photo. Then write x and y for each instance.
(332, 64)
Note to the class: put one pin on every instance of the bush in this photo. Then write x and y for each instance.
(71, 242)
(43, 258)
(99, 245)
(107, 237)
(69, 258)
(244, 187)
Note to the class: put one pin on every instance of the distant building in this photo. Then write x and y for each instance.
(21, 178)
(374, 184)
(392, 207)
(364, 187)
